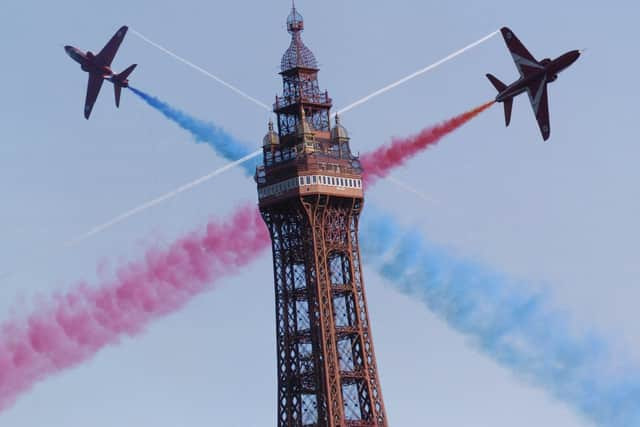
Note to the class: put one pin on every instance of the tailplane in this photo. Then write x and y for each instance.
(496, 83)
(508, 103)
(125, 74)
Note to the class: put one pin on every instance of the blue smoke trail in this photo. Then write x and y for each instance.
(207, 132)
(515, 328)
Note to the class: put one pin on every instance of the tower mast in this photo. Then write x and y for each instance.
(310, 196)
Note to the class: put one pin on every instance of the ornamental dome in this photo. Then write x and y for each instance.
(339, 131)
(271, 138)
(297, 55)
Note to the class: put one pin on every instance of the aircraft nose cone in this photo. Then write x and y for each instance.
(72, 52)
(575, 55)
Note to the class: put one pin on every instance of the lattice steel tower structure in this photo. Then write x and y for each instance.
(310, 193)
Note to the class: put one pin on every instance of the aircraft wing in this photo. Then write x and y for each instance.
(539, 99)
(525, 62)
(108, 52)
(93, 89)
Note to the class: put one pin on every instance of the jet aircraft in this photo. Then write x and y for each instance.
(99, 69)
(534, 77)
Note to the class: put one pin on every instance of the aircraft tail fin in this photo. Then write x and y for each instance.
(508, 104)
(120, 81)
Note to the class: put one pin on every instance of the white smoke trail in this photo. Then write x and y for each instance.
(188, 186)
(203, 71)
(198, 181)
(339, 112)
(411, 189)
(414, 75)
(138, 209)
(151, 203)
(361, 101)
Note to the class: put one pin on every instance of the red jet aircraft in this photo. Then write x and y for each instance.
(99, 69)
(534, 76)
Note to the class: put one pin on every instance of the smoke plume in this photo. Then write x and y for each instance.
(380, 162)
(502, 318)
(70, 328)
(515, 328)
(203, 132)
(377, 164)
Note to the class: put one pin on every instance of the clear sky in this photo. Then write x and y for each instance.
(562, 213)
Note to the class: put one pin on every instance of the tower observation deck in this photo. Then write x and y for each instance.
(310, 196)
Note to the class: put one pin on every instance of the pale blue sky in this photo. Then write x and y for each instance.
(562, 213)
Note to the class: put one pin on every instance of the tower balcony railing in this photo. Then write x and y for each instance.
(316, 98)
(322, 162)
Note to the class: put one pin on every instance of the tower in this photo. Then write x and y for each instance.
(310, 196)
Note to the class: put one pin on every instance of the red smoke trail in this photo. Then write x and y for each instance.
(71, 328)
(380, 162)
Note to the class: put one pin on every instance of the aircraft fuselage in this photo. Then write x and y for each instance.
(99, 69)
(550, 68)
(88, 62)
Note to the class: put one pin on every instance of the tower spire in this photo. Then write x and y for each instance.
(298, 55)
(299, 70)
(295, 21)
